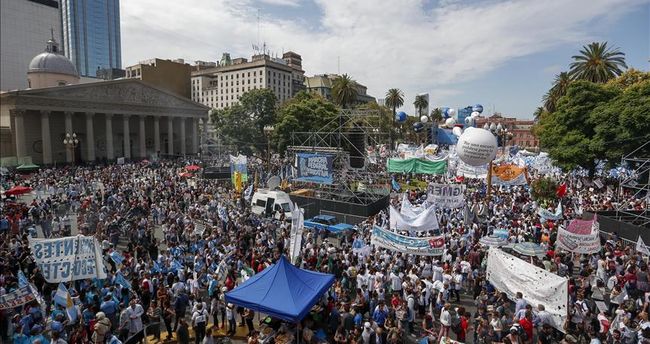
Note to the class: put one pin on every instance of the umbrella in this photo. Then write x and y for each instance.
(493, 241)
(192, 168)
(27, 167)
(185, 174)
(529, 249)
(18, 190)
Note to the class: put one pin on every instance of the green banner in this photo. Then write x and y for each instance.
(414, 165)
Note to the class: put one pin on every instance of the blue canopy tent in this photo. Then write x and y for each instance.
(282, 291)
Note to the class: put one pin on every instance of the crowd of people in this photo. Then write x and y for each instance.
(182, 242)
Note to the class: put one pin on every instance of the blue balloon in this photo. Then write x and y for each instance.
(400, 117)
(418, 126)
(478, 108)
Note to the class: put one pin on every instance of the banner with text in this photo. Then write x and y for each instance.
(509, 174)
(448, 196)
(427, 246)
(580, 237)
(68, 259)
(315, 168)
(16, 298)
(467, 171)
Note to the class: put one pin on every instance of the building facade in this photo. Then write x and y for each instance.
(169, 75)
(521, 129)
(223, 85)
(322, 84)
(23, 26)
(91, 34)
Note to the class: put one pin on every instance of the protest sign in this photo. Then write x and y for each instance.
(579, 237)
(427, 246)
(509, 174)
(315, 168)
(16, 298)
(69, 258)
(465, 170)
(448, 196)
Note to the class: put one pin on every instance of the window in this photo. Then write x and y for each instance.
(261, 203)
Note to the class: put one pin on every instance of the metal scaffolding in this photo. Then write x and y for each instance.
(638, 184)
(340, 137)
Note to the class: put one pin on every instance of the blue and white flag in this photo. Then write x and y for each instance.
(117, 258)
(223, 213)
(119, 279)
(22, 280)
(156, 267)
(395, 185)
(175, 265)
(248, 193)
(547, 215)
(61, 295)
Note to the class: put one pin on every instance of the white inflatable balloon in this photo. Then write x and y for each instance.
(475, 114)
(450, 122)
(469, 121)
(424, 119)
(451, 112)
(476, 146)
(457, 131)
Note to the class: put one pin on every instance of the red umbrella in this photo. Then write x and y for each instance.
(18, 190)
(193, 168)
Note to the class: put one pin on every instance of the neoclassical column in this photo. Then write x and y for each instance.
(19, 132)
(143, 142)
(90, 136)
(46, 137)
(195, 135)
(68, 130)
(170, 135)
(127, 137)
(110, 153)
(183, 138)
(156, 134)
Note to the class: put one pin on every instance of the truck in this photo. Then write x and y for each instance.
(323, 223)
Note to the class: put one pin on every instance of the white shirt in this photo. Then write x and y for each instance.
(135, 314)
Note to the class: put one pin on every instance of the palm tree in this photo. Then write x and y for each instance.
(539, 112)
(597, 63)
(560, 85)
(344, 91)
(436, 115)
(394, 99)
(420, 103)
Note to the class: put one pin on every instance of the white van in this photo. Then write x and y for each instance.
(266, 201)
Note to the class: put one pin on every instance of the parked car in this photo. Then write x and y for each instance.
(327, 223)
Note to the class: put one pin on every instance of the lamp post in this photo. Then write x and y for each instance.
(501, 132)
(268, 130)
(71, 142)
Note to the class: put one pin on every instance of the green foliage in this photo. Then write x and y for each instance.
(303, 113)
(436, 115)
(242, 125)
(556, 92)
(629, 78)
(597, 63)
(543, 190)
(394, 99)
(420, 103)
(344, 91)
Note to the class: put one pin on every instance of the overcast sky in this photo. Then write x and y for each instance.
(502, 54)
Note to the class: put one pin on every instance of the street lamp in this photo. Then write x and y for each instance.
(501, 132)
(268, 130)
(71, 142)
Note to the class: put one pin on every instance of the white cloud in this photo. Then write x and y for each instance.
(290, 3)
(381, 43)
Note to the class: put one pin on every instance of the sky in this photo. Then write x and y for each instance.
(501, 54)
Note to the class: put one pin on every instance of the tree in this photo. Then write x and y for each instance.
(436, 115)
(242, 125)
(344, 91)
(303, 113)
(597, 63)
(556, 92)
(539, 112)
(394, 99)
(544, 190)
(629, 78)
(420, 103)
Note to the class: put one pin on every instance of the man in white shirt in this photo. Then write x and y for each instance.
(135, 312)
(199, 321)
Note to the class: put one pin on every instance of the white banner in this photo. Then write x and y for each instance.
(427, 246)
(510, 275)
(297, 227)
(580, 236)
(547, 215)
(448, 196)
(68, 259)
(467, 171)
(409, 210)
(426, 221)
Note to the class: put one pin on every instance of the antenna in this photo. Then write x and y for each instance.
(258, 27)
(338, 65)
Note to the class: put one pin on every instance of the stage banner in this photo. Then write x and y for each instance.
(238, 169)
(426, 246)
(509, 174)
(546, 215)
(580, 237)
(16, 298)
(315, 168)
(467, 171)
(414, 165)
(510, 275)
(425, 221)
(69, 258)
(448, 196)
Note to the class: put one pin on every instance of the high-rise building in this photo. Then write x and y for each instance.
(25, 26)
(222, 86)
(91, 34)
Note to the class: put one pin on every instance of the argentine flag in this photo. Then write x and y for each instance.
(62, 298)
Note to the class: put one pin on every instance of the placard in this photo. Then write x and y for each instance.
(448, 196)
(69, 258)
(315, 168)
(579, 237)
(16, 298)
(426, 246)
(509, 174)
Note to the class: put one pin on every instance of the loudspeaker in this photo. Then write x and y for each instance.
(357, 148)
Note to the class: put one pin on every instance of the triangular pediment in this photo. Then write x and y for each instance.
(127, 91)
